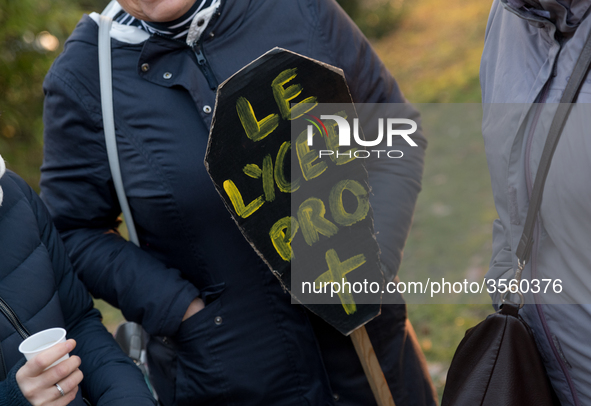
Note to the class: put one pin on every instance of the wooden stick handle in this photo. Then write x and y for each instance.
(371, 366)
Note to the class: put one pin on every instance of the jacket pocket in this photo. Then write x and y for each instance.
(199, 374)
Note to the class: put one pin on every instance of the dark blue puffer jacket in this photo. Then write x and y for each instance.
(249, 345)
(39, 285)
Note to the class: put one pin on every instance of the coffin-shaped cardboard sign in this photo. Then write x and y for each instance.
(308, 216)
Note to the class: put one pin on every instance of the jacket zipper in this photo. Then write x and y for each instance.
(197, 49)
(18, 326)
(202, 60)
(2, 366)
(204, 65)
(13, 319)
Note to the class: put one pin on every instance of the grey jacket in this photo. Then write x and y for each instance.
(530, 51)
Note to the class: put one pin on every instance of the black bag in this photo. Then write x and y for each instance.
(497, 362)
(132, 339)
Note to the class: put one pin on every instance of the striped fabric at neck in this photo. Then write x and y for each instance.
(176, 29)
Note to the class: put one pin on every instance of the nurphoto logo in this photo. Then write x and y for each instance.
(392, 129)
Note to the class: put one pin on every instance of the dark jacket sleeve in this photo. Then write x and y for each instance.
(10, 393)
(77, 188)
(110, 377)
(395, 183)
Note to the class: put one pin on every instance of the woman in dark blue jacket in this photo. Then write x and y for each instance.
(249, 345)
(39, 290)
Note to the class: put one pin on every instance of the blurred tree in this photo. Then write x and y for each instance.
(32, 34)
(352, 7)
(375, 18)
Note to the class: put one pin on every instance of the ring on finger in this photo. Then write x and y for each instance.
(61, 391)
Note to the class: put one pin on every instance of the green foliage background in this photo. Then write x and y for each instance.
(23, 65)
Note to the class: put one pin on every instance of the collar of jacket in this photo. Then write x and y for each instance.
(165, 55)
(168, 59)
(232, 14)
(171, 63)
(565, 15)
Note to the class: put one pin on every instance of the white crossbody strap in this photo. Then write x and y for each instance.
(104, 57)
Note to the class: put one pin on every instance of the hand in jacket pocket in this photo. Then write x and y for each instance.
(195, 306)
(39, 385)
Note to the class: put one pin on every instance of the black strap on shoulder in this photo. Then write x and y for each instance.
(566, 102)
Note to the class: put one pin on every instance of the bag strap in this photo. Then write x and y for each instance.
(566, 102)
(112, 9)
(106, 86)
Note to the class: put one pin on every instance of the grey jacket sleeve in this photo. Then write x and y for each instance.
(501, 266)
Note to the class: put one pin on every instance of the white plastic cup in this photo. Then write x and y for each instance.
(42, 341)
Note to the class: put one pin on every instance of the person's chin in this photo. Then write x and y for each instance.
(158, 11)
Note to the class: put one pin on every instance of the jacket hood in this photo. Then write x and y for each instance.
(2, 170)
(565, 14)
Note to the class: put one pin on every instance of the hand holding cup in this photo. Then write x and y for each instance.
(50, 377)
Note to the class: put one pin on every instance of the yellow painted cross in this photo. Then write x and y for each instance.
(336, 273)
